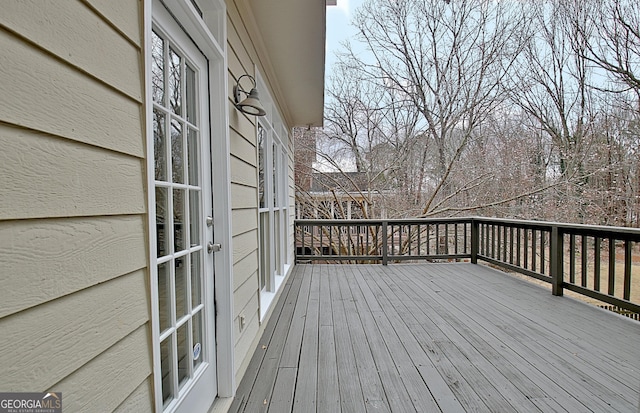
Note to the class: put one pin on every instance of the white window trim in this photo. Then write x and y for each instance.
(213, 46)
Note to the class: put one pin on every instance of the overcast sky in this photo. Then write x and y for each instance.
(339, 28)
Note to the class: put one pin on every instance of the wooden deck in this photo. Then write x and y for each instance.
(437, 337)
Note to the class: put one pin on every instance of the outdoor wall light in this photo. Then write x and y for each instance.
(251, 104)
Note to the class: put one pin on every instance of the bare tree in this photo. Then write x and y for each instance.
(497, 108)
(616, 49)
(448, 61)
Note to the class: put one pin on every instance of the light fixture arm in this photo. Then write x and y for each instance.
(251, 104)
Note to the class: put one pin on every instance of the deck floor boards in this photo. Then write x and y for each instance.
(448, 337)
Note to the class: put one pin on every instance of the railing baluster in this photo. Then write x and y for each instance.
(612, 266)
(626, 294)
(511, 245)
(583, 258)
(385, 254)
(572, 258)
(446, 239)
(534, 250)
(518, 246)
(542, 251)
(526, 248)
(498, 241)
(493, 241)
(465, 245)
(596, 264)
(504, 244)
(455, 239)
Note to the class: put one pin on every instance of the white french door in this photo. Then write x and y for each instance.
(183, 295)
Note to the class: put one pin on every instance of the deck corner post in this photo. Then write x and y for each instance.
(475, 240)
(385, 252)
(556, 261)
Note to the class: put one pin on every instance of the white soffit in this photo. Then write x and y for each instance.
(293, 34)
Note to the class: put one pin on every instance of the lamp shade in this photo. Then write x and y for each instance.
(251, 104)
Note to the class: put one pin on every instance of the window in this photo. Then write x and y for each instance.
(273, 201)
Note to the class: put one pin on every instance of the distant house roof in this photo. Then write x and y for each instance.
(339, 182)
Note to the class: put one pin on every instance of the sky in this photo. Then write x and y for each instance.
(339, 28)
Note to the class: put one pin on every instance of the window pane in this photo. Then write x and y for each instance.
(166, 362)
(194, 154)
(183, 354)
(182, 306)
(261, 162)
(190, 94)
(178, 220)
(157, 68)
(175, 82)
(264, 248)
(196, 279)
(159, 146)
(198, 345)
(162, 213)
(277, 241)
(274, 159)
(177, 152)
(194, 217)
(164, 294)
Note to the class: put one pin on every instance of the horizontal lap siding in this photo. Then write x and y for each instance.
(74, 314)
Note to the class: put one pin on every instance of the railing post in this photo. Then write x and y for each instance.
(385, 254)
(475, 240)
(556, 257)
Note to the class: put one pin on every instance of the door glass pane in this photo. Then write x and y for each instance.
(157, 68)
(164, 295)
(194, 217)
(190, 94)
(178, 220)
(198, 345)
(196, 279)
(182, 305)
(194, 154)
(166, 362)
(162, 213)
(175, 82)
(177, 152)
(183, 354)
(159, 146)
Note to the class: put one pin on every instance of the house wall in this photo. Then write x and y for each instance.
(243, 57)
(74, 311)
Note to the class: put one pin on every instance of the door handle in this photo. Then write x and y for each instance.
(211, 247)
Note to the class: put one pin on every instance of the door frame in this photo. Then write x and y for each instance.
(207, 29)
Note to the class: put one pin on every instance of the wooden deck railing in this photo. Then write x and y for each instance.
(594, 261)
